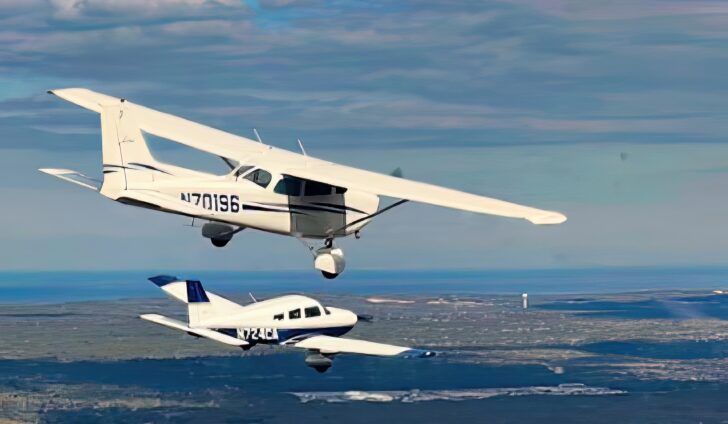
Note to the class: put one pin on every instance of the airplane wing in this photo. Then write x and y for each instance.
(241, 149)
(390, 186)
(202, 332)
(168, 126)
(333, 345)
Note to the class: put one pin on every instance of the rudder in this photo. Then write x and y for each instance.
(127, 161)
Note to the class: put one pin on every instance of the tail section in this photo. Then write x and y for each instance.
(127, 161)
(202, 306)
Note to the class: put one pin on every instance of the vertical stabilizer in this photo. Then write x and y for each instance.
(128, 163)
(202, 306)
(199, 307)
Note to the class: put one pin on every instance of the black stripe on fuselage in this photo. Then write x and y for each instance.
(337, 206)
(264, 209)
(307, 207)
(139, 165)
(150, 167)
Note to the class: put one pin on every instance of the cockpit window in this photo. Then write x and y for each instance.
(312, 311)
(294, 314)
(289, 186)
(242, 170)
(278, 317)
(260, 177)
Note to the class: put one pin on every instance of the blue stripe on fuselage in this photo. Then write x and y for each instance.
(289, 335)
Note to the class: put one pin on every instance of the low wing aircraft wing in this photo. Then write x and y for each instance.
(333, 345)
(202, 332)
(390, 186)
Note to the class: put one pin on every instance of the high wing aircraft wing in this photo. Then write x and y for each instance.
(241, 149)
(387, 185)
(202, 332)
(168, 126)
(333, 345)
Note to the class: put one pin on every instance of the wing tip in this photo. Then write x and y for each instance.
(84, 97)
(548, 218)
(417, 353)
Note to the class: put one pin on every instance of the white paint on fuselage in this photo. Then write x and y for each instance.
(262, 208)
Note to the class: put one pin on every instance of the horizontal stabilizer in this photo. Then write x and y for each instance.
(202, 332)
(332, 345)
(74, 177)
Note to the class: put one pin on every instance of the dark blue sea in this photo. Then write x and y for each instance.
(52, 287)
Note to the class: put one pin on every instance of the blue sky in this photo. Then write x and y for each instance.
(612, 112)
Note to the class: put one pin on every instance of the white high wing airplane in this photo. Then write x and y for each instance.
(291, 320)
(268, 189)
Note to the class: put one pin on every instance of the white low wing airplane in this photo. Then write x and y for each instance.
(268, 189)
(291, 320)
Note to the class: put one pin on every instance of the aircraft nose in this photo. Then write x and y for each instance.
(352, 318)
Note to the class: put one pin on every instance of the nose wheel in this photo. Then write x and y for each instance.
(328, 259)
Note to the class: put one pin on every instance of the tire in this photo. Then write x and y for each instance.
(219, 242)
(329, 275)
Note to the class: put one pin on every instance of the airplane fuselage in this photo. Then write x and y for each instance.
(281, 336)
(242, 203)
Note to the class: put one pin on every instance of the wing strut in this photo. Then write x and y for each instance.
(370, 216)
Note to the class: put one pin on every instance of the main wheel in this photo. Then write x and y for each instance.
(329, 275)
(219, 242)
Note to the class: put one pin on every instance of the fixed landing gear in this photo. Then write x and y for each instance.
(329, 260)
(318, 362)
(219, 242)
(219, 234)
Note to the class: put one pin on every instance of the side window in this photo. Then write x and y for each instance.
(312, 311)
(315, 188)
(289, 186)
(294, 314)
(278, 317)
(260, 177)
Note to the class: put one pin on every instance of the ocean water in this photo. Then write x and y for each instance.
(278, 388)
(51, 287)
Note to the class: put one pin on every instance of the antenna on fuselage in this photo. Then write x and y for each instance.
(252, 297)
(301, 146)
(255, 131)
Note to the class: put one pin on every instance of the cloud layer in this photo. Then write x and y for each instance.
(613, 112)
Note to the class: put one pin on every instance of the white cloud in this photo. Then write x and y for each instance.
(72, 9)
